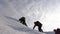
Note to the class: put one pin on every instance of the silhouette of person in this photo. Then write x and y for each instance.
(57, 31)
(37, 23)
(22, 20)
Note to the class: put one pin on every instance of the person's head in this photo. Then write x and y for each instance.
(37, 22)
(58, 29)
(23, 17)
(55, 30)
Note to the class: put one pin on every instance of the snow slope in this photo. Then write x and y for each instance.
(10, 9)
(50, 32)
(10, 26)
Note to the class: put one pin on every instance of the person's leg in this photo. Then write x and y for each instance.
(24, 23)
(39, 28)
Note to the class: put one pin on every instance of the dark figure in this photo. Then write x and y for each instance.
(37, 23)
(22, 20)
(57, 31)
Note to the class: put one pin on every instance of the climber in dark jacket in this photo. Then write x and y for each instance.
(37, 23)
(57, 31)
(22, 20)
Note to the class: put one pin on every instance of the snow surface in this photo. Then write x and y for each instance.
(10, 26)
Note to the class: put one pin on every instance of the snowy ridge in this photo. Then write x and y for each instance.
(49, 32)
(10, 26)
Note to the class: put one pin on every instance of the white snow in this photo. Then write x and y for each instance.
(10, 26)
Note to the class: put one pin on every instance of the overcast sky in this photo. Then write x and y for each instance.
(45, 11)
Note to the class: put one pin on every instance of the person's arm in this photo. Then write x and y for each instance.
(34, 26)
